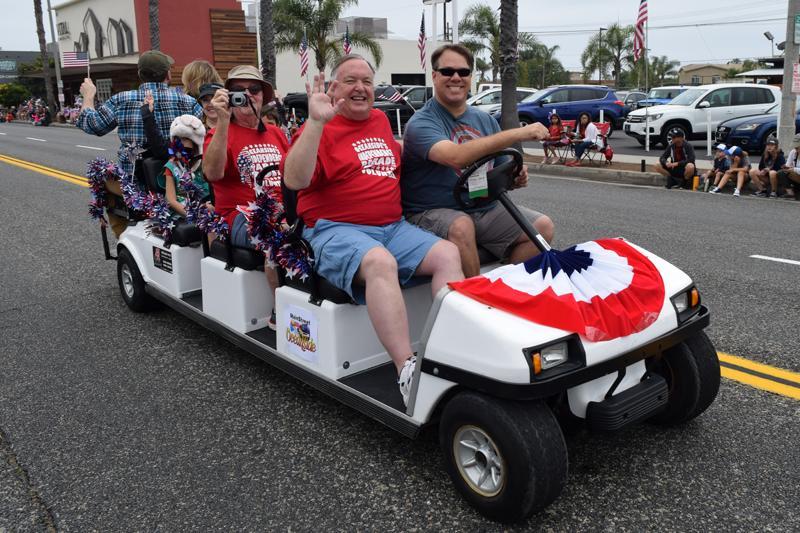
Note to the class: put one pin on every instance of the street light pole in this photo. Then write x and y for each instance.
(56, 49)
(786, 128)
(600, 58)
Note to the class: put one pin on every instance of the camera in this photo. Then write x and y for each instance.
(237, 99)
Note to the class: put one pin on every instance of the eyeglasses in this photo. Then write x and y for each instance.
(450, 71)
(253, 89)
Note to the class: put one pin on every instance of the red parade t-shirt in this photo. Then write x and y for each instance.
(357, 177)
(248, 152)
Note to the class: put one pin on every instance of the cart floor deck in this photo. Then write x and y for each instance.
(379, 383)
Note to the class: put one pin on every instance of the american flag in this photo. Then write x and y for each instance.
(303, 56)
(394, 97)
(346, 42)
(421, 42)
(75, 59)
(638, 32)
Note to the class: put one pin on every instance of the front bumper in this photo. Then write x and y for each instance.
(545, 387)
(637, 129)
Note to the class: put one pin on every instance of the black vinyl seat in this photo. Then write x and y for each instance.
(244, 258)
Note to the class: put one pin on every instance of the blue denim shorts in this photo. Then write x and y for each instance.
(239, 236)
(339, 248)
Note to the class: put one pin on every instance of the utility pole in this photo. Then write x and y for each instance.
(790, 56)
(600, 58)
(57, 51)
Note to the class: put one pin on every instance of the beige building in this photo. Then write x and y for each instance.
(703, 73)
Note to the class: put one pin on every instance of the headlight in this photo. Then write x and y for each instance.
(747, 127)
(563, 355)
(656, 116)
(686, 303)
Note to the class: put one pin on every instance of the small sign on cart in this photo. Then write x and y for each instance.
(796, 78)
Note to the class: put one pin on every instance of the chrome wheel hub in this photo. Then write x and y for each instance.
(479, 461)
(127, 280)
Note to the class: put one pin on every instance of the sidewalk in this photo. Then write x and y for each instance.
(56, 124)
(623, 169)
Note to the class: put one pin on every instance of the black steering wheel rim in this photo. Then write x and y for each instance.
(458, 189)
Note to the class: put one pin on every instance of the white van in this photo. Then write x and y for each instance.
(687, 112)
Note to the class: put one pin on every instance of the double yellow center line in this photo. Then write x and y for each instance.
(760, 376)
(47, 171)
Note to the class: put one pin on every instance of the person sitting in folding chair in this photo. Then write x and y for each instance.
(555, 139)
(589, 136)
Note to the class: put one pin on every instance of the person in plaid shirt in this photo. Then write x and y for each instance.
(123, 109)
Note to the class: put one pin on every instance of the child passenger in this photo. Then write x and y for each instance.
(186, 149)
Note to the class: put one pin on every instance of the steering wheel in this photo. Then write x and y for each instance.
(499, 179)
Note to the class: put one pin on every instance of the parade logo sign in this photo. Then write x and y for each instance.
(301, 333)
(377, 159)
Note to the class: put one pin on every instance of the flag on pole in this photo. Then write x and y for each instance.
(75, 59)
(638, 32)
(304, 56)
(421, 41)
(601, 290)
(394, 97)
(346, 43)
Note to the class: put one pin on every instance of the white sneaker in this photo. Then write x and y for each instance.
(736, 192)
(406, 378)
(715, 190)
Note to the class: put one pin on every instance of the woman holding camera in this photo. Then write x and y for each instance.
(242, 145)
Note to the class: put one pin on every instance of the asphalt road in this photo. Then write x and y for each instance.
(114, 421)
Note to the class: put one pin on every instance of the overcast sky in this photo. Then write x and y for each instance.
(694, 44)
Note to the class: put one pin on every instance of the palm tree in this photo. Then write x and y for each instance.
(317, 20)
(481, 28)
(155, 35)
(266, 40)
(661, 67)
(595, 57)
(48, 76)
(547, 55)
(508, 64)
(618, 41)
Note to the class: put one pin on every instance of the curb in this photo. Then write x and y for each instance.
(610, 175)
(52, 124)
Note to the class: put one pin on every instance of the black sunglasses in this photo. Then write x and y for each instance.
(253, 89)
(449, 71)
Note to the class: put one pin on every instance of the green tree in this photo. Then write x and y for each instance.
(266, 33)
(48, 75)
(480, 27)
(618, 41)
(317, 19)
(13, 94)
(661, 68)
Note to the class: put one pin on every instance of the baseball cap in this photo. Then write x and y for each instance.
(721, 147)
(678, 133)
(249, 72)
(154, 64)
(772, 140)
(208, 89)
(734, 150)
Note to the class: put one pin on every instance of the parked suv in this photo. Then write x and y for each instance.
(489, 99)
(569, 101)
(751, 132)
(661, 95)
(687, 111)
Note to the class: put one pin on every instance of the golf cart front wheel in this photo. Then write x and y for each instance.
(507, 459)
(691, 370)
(131, 283)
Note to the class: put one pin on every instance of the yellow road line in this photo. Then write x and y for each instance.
(760, 367)
(761, 383)
(47, 171)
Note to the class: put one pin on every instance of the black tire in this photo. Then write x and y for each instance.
(131, 284)
(691, 369)
(642, 142)
(670, 129)
(524, 120)
(530, 450)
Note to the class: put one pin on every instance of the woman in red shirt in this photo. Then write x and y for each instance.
(555, 139)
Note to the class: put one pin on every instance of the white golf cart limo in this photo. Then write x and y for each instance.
(496, 384)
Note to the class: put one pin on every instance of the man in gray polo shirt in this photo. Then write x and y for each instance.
(445, 136)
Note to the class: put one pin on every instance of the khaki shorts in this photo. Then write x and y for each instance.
(495, 230)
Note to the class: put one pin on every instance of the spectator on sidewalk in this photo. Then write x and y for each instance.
(555, 138)
(772, 160)
(721, 164)
(677, 162)
(789, 175)
(740, 166)
(588, 136)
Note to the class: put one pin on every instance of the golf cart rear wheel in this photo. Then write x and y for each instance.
(691, 369)
(507, 459)
(131, 283)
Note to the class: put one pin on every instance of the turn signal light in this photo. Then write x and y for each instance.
(536, 361)
(694, 296)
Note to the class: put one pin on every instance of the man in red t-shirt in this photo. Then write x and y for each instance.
(346, 164)
(240, 148)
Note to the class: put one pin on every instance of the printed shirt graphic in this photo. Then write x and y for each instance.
(356, 179)
(601, 289)
(425, 183)
(249, 151)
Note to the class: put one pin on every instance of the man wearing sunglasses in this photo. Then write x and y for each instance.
(446, 136)
(239, 149)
